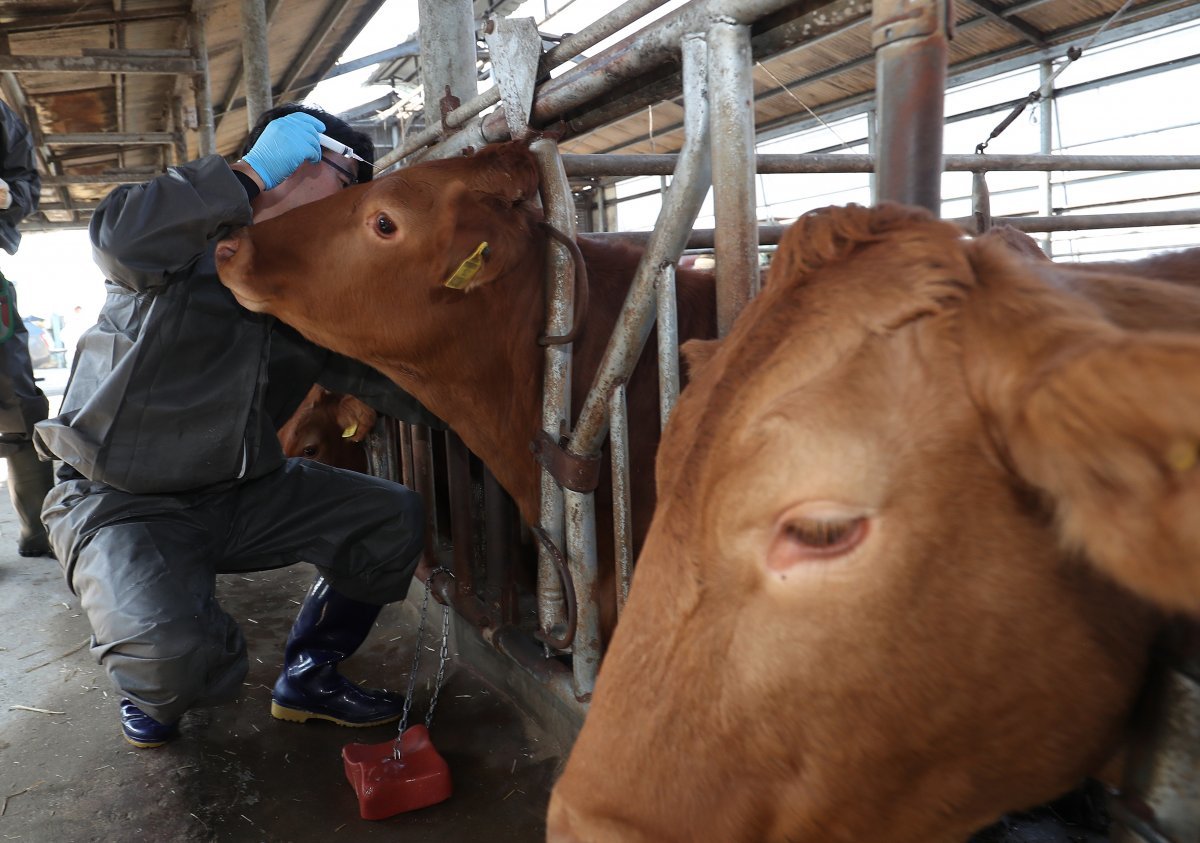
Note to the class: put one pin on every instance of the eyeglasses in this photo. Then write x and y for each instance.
(353, 178)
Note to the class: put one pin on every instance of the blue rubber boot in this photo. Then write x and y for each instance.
(328, 629)
(142, 730)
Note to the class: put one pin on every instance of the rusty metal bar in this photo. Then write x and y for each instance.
(622, 505)
(381, 450)
(422, 450)
(910, 92)
(404, 434)
(458, 479)
(731, 91)
(499, 549)
(559, 211)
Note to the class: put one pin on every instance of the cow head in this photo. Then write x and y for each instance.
(388, 247)
(330, 428)
(920, 515)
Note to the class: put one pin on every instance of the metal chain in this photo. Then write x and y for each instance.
(441, 671)
(412, 675)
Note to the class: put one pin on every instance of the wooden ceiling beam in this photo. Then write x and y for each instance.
(111, 138)
(100, 17)
(311, 46)
(1001, 16)
(129, 63)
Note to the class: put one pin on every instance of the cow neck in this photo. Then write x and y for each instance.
(482, 373)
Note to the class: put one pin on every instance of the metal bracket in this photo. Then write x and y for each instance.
(515, 48)
(570, 470)
(895, 20)
(446, 104)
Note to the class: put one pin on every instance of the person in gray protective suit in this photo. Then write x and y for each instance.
(172, 471)
(22, 403)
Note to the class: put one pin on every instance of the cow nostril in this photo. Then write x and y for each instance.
(227, 248)
(558, 823)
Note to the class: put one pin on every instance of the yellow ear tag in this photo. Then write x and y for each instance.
(1181, 455)
(468, 269)
(350, 431)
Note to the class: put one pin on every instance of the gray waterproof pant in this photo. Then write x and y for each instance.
(144, 567)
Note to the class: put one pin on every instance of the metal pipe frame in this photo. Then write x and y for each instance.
(618, 165)
(731, 90)
(566, 50)
(202, 87)
(667, 326)
(499, 547)
(383, 449)
(693, 177)
(559, 209)
(622, 503)
(620, 64)
(255, 60)
(447, 36)
(458, 478)
(681, 205)
(910, 95)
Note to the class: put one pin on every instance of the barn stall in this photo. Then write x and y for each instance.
(674, 98)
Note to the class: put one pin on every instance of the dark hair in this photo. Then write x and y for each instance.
(335, 127)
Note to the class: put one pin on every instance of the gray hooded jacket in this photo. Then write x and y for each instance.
(178, 387)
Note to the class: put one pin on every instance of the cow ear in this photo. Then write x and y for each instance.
(355, 418)
(480, 238)
(506, 173)
(1018, 241)
(696, 355)
(1104, 422)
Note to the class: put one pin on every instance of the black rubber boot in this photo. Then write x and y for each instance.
(329, 628)
(29, 479)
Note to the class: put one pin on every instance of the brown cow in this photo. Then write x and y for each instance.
(920, 516)
(329, 427)
(471, 354)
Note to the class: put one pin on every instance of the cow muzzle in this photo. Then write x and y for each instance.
(558, 823)
(228, 250)
(234, 257)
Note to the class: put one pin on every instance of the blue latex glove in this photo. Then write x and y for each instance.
(285, 143)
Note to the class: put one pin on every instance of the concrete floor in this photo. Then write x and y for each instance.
(235, 773)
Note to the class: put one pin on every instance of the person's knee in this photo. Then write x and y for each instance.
(411, 526)
(169, 666)
(400, 525)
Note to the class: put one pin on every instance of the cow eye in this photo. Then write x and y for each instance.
(822, 535)
(384, 225)
(805, 538)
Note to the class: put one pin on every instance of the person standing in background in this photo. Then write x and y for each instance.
(22, 403)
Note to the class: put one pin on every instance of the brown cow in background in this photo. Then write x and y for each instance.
(374, 288)
(921, 515)
(330, 428)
